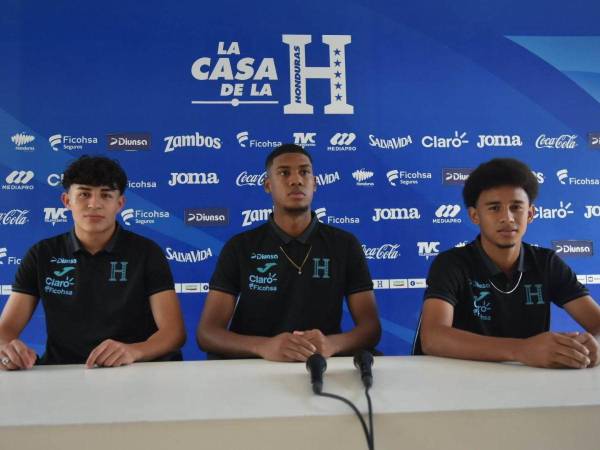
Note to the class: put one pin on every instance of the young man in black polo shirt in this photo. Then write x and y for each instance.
(490, 300)
(107, 293)
(277, 291)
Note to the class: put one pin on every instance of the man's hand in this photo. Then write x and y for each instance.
(16, 355)
(286, 347)
(555, 350)
(322, 343)
(112, 353)
(592, 345)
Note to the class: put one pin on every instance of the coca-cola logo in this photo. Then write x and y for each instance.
(563, 141)
(386, 251)
(250, 179)
(14, 217)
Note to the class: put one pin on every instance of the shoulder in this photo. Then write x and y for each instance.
(335, 234)
(457, 256)
(52, 243)
(136, 242)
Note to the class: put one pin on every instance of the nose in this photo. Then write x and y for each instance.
(94, 201)
(296, 179)
(507, 215)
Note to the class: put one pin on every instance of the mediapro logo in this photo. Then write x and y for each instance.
(55, 215)
(252, 80)
(447, 214)
(207, 217)
(129, 141)
(68, 142)
(573, 248)
(456, 141)
(456, 176)
(251, 216)
(427, 249)
(342, 142)
(19, 180)
(21, 141)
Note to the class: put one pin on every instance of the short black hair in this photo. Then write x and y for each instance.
(95, 171)
(283, 149)
(500, 172)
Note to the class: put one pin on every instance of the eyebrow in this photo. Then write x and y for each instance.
(102, 189)
(302, 166)
(497, 202)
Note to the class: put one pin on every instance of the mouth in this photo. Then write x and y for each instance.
(297, 194)
(508, 231)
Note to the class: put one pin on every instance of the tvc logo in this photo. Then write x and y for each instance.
(55, 215)
(305, 139)
(428, 249)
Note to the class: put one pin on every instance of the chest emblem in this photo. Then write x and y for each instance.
(482, 307)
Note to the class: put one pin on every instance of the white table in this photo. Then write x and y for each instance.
(420, 403)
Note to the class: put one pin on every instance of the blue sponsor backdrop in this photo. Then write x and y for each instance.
(395, 100)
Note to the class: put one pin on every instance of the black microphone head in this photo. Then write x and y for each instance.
(363, 358)
(316, 363)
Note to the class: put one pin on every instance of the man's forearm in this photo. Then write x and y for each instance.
(363, 336)
(160, 343)
(225, 342)
(454, 343)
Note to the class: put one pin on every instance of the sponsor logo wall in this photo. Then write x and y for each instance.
(393, 139)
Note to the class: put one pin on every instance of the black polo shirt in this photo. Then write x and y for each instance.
(273, 296)
(89, 298)
(470, 281)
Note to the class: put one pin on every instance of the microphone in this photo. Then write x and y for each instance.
(363, 361)
(316, 365)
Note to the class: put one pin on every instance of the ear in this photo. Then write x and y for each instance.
(267, 185)
(530, 213)
(473, 215)
(66, 201)
(121, 202)
(315, 183)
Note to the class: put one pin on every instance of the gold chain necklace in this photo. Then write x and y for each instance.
(299, 267)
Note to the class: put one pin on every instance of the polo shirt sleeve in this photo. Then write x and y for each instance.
(358, 277)
(564, 285)
(226, 277)
(27, 274)
(158, 276)
(444, 280)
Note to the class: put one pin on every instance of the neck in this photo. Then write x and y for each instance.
(292, 225)
(94, 242)
(504, 258)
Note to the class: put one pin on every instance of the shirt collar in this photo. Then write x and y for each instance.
(491, 265)
(286, 238)
(74, 244)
